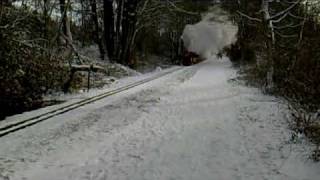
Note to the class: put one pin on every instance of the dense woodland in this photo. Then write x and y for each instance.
(278, 49)
(40, 41)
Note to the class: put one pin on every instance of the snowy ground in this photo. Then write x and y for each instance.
(192, 124)
(76, 97)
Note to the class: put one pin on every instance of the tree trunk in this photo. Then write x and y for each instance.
(63, 11)
(128, 28)
(46, 22)
(109, 27)
(269, 31)
(118, 35)
(96, 32)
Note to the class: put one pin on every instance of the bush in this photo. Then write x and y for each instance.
(27, 70)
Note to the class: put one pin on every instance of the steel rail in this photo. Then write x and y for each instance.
(13, 127)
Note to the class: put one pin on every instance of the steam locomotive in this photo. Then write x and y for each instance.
(190, 58)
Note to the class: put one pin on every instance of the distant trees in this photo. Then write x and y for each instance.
(124, 20)
(114, 25)
(279, 27)
(283, 37)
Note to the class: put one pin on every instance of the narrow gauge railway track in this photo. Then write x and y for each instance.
(13, 127)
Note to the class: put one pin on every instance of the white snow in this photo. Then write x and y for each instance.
(76, 97)
(192, 124)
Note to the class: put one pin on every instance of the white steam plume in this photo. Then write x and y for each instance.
(210, 35)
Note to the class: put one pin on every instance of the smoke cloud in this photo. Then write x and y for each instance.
(210, 35)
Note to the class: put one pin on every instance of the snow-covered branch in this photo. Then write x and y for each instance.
(176, 8)
(286, 10)
(249, 17)
(288, 26)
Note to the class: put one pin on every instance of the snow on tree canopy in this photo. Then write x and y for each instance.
(210, 35)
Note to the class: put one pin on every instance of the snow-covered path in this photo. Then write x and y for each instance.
(191, 125)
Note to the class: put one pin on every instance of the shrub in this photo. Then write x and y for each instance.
(27, 70)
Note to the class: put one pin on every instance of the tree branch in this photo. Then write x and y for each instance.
(249, 17)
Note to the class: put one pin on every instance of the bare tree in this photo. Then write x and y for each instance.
(277, 19)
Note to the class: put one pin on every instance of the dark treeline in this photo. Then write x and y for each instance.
(280, 39)
(40, 41)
